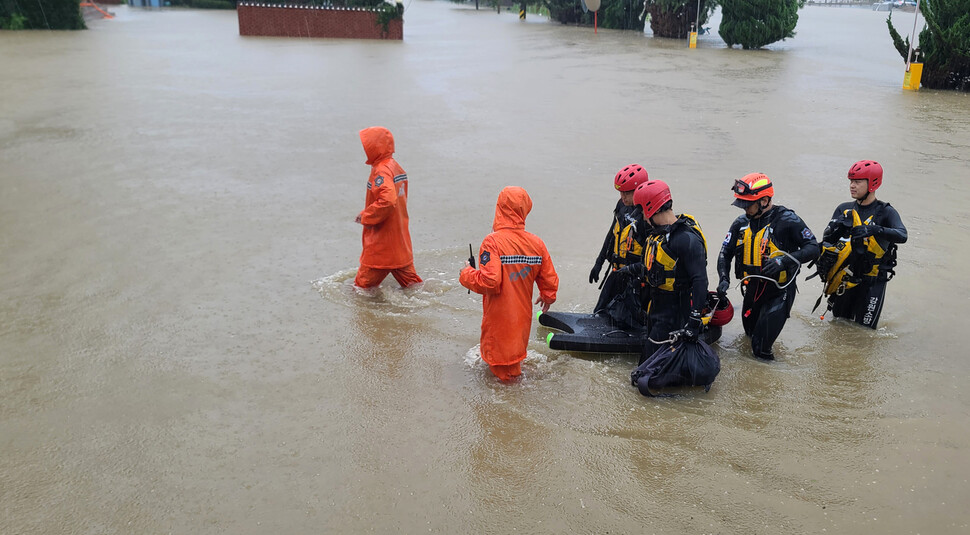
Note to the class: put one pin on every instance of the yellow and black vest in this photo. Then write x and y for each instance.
(848, 269)
(661, 267)
(872, 253)
(838, 276)
(626, 247)
(753, 249)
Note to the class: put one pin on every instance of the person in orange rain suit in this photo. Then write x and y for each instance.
(386, 239)
(510, 260)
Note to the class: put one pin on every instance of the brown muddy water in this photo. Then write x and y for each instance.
(181, 350)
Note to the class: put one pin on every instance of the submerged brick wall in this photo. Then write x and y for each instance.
(283, 20)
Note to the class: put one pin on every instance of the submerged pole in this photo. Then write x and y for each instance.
(912, 37)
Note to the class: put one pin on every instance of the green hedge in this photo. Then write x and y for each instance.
(41, 15)
(211, 4)
(204, 4)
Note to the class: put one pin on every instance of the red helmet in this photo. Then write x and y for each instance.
(651, 195)
(631, 176)
(869, 171)
(723, 310)
(752, 187)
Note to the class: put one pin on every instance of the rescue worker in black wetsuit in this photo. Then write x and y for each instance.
(768, 244)
(873, 241)
(674, 266)
(624, 241)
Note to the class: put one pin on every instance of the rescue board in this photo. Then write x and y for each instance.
(597, 333)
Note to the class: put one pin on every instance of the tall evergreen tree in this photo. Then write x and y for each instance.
(944, 44)
(756, 23)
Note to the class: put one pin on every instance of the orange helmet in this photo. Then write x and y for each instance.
(751, 187)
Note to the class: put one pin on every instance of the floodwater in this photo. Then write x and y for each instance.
(181, 350)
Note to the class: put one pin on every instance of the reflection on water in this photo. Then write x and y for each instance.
(167, 189)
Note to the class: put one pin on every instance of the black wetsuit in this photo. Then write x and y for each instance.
(613, 285)
(863, 303)
(670, 310)
(766, 307)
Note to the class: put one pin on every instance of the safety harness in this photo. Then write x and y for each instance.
(842, 268)
(660, 265)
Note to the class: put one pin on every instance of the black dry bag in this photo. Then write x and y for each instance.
(625, 309)
(682, 363)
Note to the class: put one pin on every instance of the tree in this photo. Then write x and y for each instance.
(613, 14)
(756, 23)
(568, 12)
(944, 44)
(621, 14)
(41, 15)
(673, 18)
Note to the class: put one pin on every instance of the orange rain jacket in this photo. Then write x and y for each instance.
(510, 260)
(386, 239)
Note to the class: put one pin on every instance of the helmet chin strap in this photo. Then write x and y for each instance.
(653, 228)
(761, 208)
(866, 198)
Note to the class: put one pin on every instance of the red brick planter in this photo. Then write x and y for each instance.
(284, 20)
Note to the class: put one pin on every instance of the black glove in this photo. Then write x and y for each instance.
(864, 231)
(594, 274)
(632, 270)
(774, 266)
(722, 288)
(694, 326)
(826, 261)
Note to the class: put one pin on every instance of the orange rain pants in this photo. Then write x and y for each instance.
(370, 277)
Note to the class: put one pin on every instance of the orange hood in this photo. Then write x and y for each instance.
(378, 143)
(512, 208)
